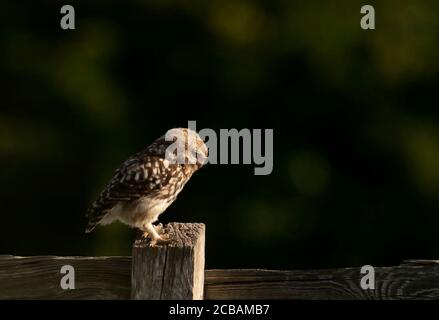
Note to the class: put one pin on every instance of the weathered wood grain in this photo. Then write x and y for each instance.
(39, 277)
(110, 278)
(414, 279)
(171, 271)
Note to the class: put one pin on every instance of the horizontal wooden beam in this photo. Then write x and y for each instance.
(413, 279)
(110, 278)
(39, 277)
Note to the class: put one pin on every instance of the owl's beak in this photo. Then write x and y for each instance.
(203, 160)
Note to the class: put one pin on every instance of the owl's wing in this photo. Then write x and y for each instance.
(139, 176)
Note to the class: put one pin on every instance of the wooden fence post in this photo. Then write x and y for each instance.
(171, 271)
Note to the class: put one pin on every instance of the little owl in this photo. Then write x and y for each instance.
(148, 182)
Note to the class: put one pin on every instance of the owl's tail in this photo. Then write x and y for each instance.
(93, 216)
(98, 211)
(91, 224)
(90, 227)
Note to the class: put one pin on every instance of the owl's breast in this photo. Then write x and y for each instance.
(147, 208)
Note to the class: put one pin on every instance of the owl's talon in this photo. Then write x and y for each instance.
(163, 239)
(159, 228)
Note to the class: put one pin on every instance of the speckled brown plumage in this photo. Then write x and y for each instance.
(148, 182)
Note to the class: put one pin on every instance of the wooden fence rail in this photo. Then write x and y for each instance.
(176, 271)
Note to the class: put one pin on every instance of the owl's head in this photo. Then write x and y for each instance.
(185, 146)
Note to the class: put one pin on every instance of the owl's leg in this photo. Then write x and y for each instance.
(158, 228)
(161, 231)
(153, 234)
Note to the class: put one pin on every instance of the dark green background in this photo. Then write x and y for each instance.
(354, 113)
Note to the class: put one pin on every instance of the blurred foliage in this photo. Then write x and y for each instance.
(356, 164)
